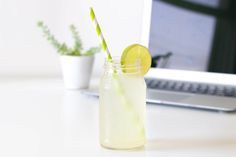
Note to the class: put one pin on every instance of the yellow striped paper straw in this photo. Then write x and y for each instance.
(106, 50)
(99, 33)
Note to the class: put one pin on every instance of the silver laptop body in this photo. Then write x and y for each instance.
(213, 92)
(216, 92)
(187, 34)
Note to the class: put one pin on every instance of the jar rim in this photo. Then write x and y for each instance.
(117, 61)
(116, 65)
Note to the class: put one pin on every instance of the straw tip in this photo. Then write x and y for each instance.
(92, 14)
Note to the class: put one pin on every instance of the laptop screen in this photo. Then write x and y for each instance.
(194, 35)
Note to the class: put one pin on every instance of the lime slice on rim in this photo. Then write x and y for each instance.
(137, 53)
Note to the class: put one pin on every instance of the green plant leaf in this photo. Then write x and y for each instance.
(62, 48)
(51, 38)
(77, 41)
(92, 51)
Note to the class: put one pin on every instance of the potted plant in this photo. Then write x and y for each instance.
(76, 64)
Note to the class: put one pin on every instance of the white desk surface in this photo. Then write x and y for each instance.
(39, 118)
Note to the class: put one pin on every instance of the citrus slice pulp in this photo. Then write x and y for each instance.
(137, 53)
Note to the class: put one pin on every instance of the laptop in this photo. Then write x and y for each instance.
(193, 54)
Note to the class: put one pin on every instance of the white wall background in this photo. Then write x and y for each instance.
(23, 50)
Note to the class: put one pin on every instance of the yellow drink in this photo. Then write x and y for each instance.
(122, 107)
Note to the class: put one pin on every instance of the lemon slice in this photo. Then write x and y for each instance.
(134, 54)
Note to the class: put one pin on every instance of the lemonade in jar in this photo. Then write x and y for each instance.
(122, 101)
(122, 95)
(122, 107)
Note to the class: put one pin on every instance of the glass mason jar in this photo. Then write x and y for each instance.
(122, 100)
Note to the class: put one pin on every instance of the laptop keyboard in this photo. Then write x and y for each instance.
(191, 87)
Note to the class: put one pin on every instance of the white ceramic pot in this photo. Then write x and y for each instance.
(76, 71)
